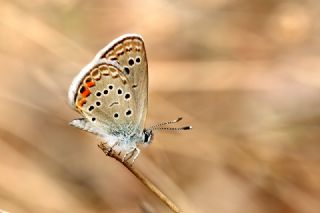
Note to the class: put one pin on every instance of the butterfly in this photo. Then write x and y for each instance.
(111, 93)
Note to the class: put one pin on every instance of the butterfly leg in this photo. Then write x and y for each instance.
(105, 148)
(134, 153)
(109, 149)
(128, 154)
(124, 158)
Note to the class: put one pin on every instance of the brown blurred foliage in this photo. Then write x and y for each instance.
(243, 73)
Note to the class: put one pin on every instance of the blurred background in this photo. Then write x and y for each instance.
(243, 73)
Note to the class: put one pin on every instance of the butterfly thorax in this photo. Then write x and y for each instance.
(127, 138)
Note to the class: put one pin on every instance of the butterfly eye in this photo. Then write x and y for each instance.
(138, 60)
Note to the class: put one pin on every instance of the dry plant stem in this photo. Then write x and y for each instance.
(142, 178)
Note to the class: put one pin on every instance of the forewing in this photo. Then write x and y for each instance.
(128, 51)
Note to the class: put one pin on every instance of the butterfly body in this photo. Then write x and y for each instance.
(125, 138)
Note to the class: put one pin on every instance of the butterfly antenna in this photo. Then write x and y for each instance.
(174, 128)
(166, 123)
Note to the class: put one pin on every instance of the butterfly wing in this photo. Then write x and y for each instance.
(106, 93)
(128, 51)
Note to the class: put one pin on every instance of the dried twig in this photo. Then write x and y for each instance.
(142, 178)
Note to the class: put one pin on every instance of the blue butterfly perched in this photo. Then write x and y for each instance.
(111, 93)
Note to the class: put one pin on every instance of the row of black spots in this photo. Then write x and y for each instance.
(127, 95)
(116, 115)
(97, 104)
(131, 61)
(119, 92)
(105, 91)
(128, 113)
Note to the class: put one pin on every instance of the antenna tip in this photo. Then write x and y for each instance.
(178, 119)
(187, 127)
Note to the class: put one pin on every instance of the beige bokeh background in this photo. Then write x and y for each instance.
(244, 73)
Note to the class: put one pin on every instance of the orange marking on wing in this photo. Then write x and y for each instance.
(82, 102)
(90, 84)
(86, 93)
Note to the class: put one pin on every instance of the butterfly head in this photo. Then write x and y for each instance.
(147, 136)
